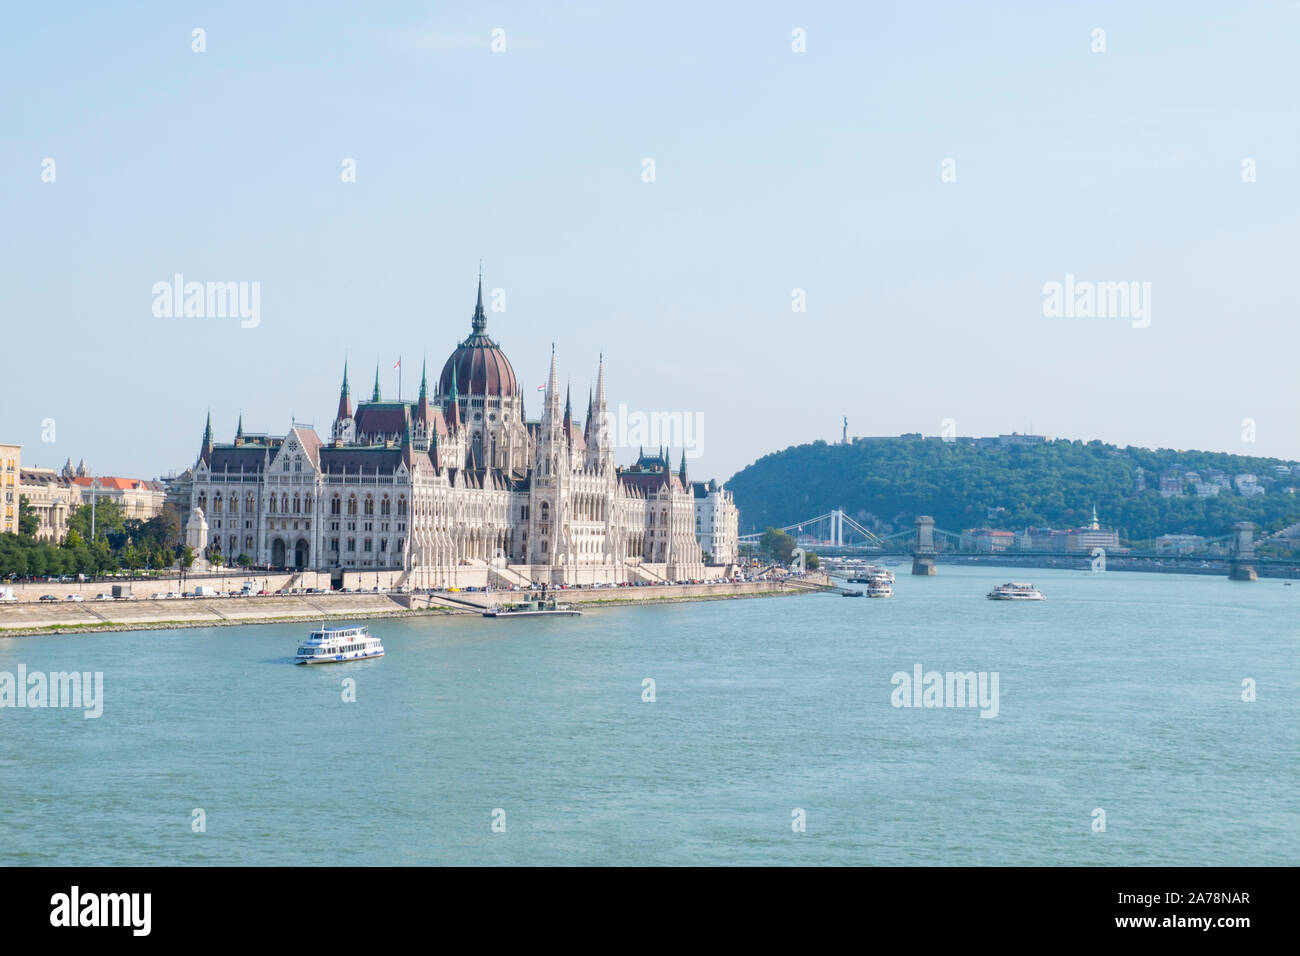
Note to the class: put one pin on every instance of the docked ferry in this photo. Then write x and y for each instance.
(533, 607)
(1014, 591)
(332, 644)
(880, 589)
(872, 574)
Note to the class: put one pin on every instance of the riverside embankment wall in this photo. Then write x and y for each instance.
(139, 614)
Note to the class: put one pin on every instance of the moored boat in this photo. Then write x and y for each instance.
(533, 607)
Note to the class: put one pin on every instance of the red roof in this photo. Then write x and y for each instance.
(121, 484)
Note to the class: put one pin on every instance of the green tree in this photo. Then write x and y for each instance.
(107, 515)
(28, 521)
(244, 559)
(811, 562)
(777, 545)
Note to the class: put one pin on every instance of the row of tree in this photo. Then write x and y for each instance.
(97, 543)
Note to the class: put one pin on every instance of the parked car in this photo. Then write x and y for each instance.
(73, 597)
(48, 597)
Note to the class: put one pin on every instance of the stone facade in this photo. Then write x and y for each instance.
(457, 487)
(52, 497)
(717, 522)
(10, 468)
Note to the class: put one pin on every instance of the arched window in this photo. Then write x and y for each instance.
(385, 506)
(370, 504)
(336, 505)
(234, 504)
(248, 503)
(306, 504)
(216, 504)
(297, 505)
(284, 503)
(401, 505)
(273, 502)
(352, 504)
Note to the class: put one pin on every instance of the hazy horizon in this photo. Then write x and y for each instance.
(1169, 160)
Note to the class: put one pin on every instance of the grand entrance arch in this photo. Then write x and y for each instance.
(300, 554)
(277, 553)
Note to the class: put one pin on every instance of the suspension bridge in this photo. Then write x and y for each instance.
(837, 535)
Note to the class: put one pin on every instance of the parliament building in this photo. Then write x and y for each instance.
(459, 488)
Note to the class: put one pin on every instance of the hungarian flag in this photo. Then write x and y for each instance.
(541, 388)
(397, 364)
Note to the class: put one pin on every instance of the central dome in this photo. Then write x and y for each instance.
(478, 365)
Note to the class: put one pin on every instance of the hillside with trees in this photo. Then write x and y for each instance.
(884, 483)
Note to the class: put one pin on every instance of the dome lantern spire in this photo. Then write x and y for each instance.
(480, 317)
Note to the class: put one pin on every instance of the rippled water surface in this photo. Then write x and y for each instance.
(1121, 692)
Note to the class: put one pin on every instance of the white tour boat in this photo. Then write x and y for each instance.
(331, 644)
(880, 589)
(1015, 591)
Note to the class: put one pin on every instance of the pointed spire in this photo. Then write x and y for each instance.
(424, 380)
(480, 317)
(205, 454)
(345, 397)
(453, 402)
(568, 411)
(682, 470)
(376, 396)
(586, 422)
(239, 429)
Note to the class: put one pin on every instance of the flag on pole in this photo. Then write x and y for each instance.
(541, 388)
(397, 364)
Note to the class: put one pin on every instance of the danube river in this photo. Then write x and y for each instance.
(1121, 693)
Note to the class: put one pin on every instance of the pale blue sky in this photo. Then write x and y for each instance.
(775, 170)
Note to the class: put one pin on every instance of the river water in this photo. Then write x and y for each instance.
(772, 737)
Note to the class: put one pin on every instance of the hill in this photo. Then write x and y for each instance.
(884, 483)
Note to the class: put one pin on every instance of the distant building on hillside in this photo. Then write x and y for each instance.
(1248, 485)
(987, 539)
(1041, 539)
(1093, 536)
(1171, 483)
(1179, 543)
